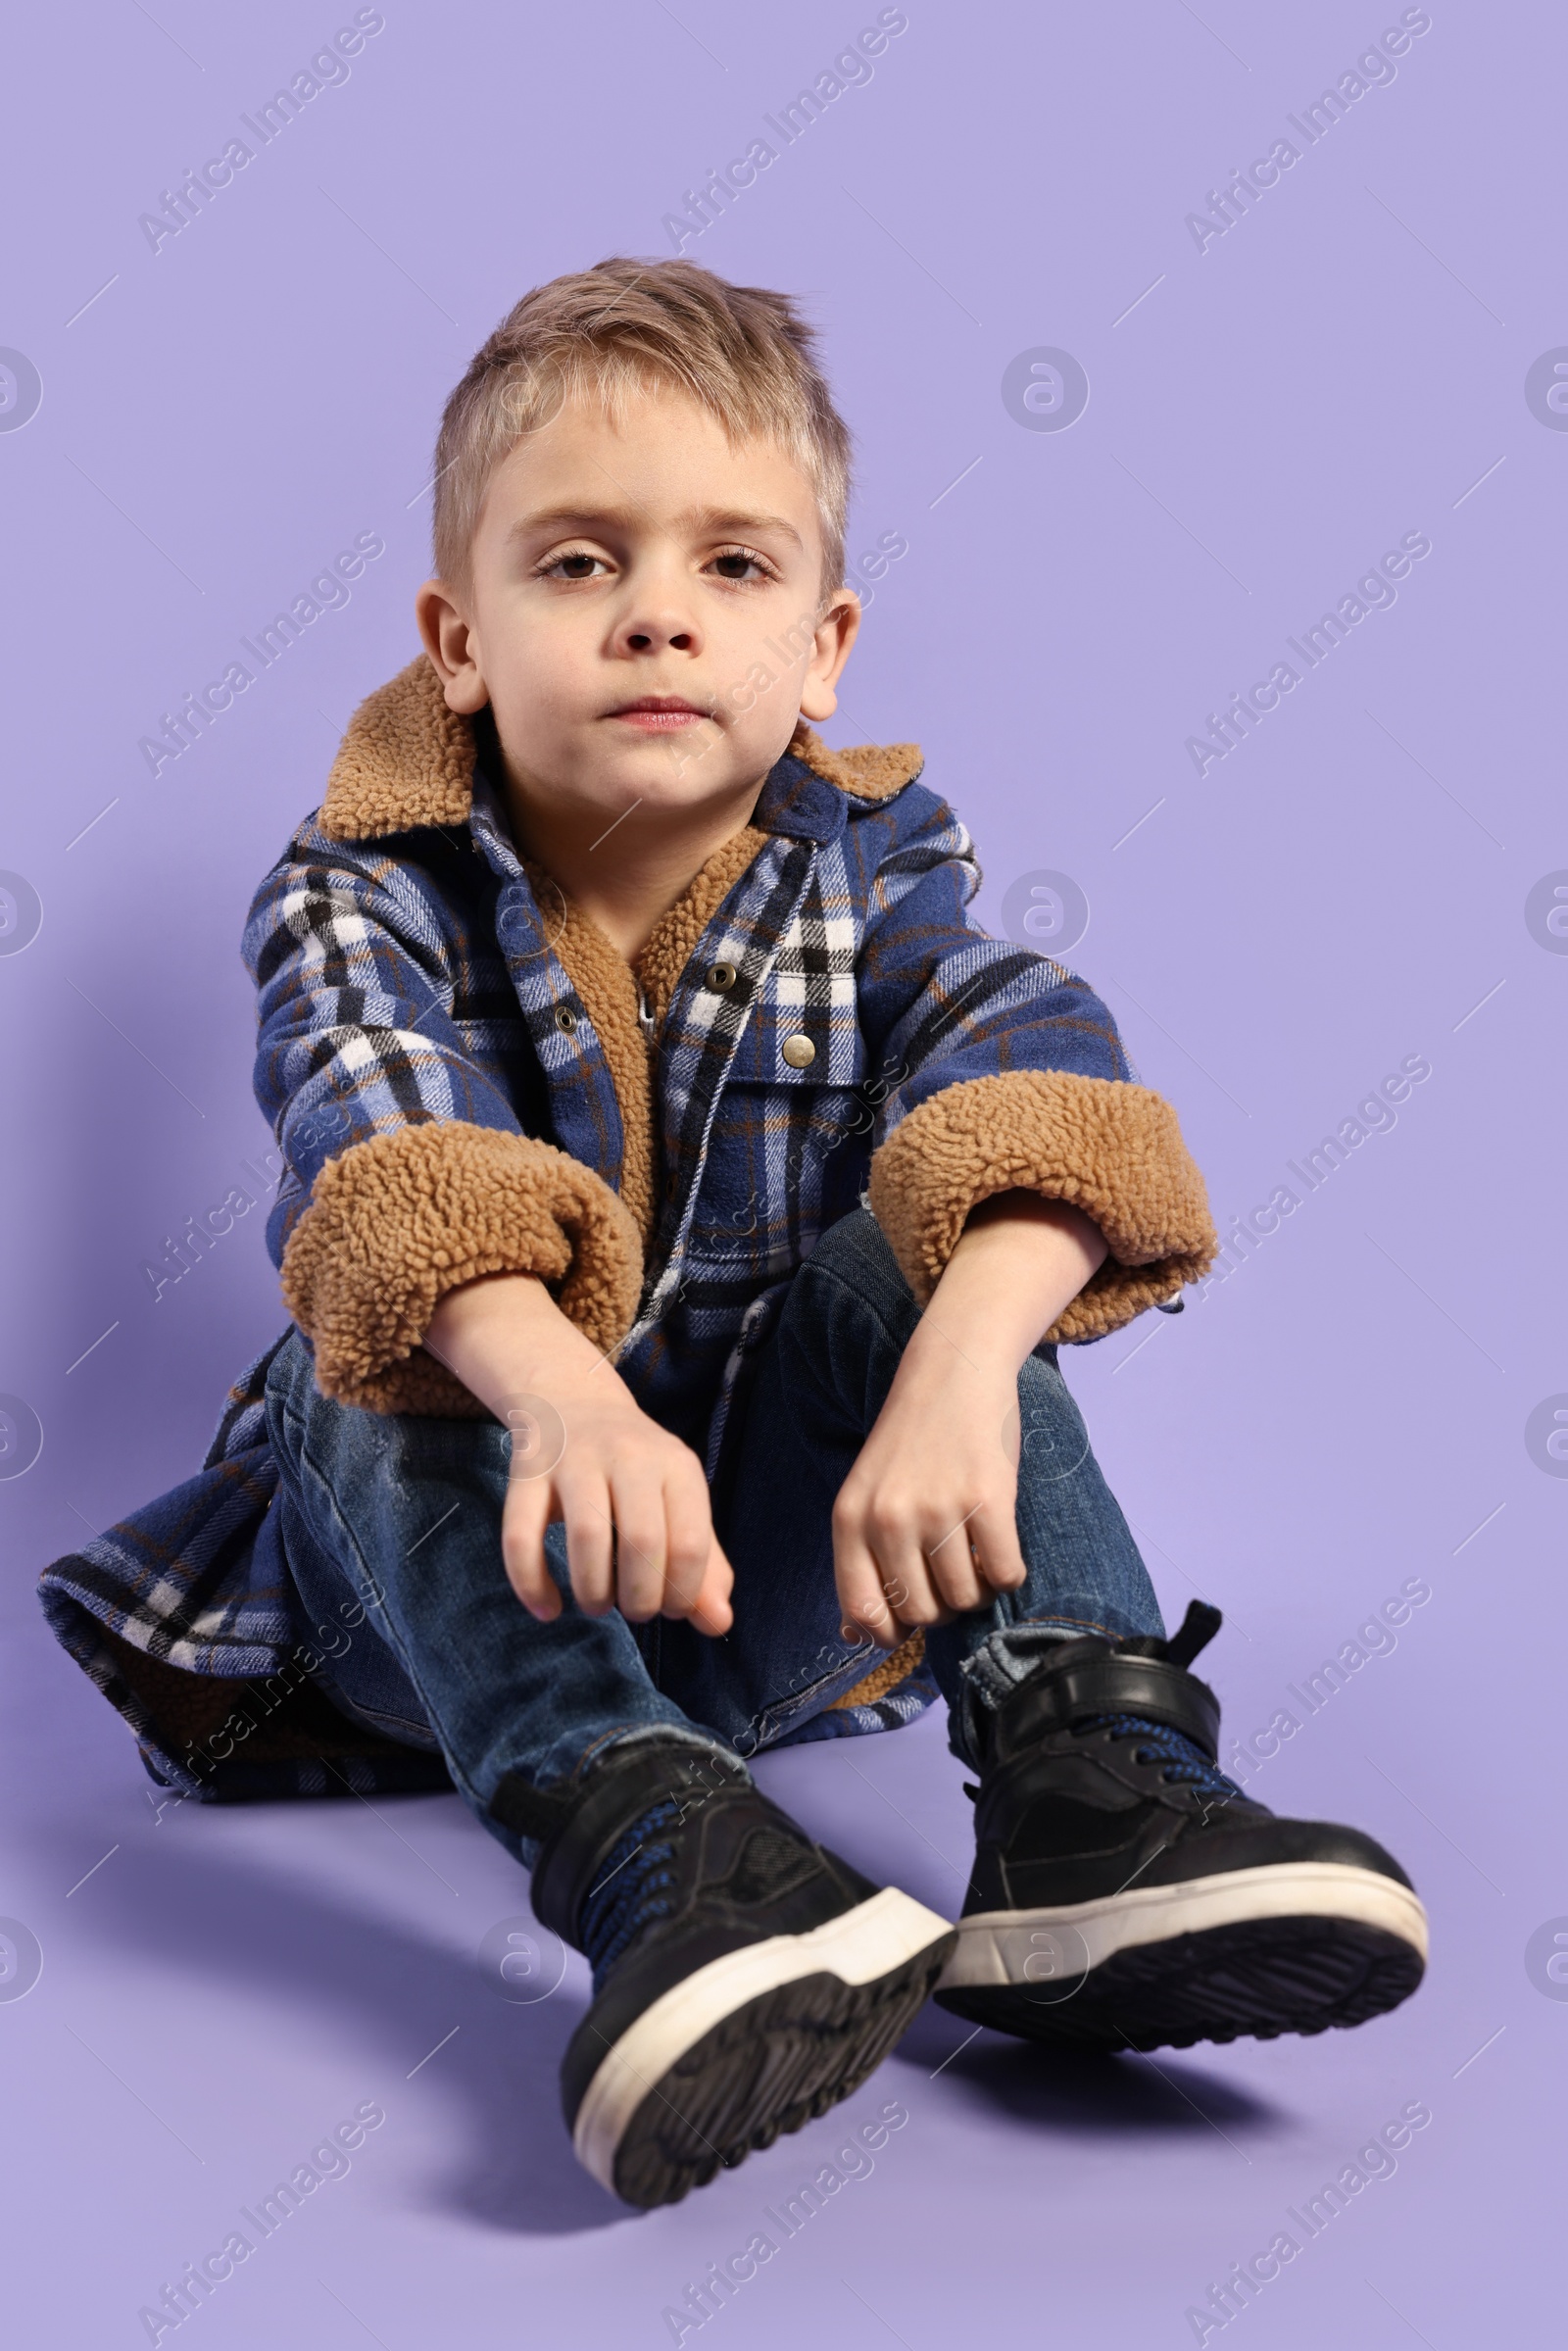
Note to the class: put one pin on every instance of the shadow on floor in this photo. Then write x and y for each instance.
(1076, 2093)
(395, 1993)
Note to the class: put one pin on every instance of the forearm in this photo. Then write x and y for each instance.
(505, 1336)
(1019, 1262)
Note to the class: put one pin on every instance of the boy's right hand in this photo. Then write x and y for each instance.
(633, 1498)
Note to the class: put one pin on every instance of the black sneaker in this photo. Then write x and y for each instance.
(1127, 1894)
(744, 1980)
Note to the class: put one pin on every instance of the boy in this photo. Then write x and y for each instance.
(683, 1201)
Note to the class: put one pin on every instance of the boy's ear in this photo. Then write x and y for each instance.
(451, 646)
(836, 631)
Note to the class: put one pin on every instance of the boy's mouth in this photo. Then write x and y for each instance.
(659, 713)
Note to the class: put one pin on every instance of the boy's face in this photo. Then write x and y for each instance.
(644, 614)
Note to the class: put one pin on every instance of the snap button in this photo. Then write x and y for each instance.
(566, 1020)
(799, 1052)
(721, 977)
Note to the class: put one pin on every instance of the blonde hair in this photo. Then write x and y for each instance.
(744, 352)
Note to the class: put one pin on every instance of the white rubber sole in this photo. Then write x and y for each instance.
(1045, 1946)
(871, 1941)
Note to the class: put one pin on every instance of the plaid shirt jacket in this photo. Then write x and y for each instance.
(450, 1088)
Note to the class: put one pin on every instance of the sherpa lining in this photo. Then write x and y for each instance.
(866, 770)
(405, 760)
(399, 1220)
(896, 1667)
(603, 979)
(608, 986)
(1113, 1149)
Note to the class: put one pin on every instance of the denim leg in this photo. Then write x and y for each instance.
(405, 1514)
(820, 1384)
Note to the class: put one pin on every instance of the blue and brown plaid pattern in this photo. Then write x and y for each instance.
(412, 979)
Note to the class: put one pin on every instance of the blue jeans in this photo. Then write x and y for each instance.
(402, 1515)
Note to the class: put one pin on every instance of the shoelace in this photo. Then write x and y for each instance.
(633, 1888)
(1184, 1762)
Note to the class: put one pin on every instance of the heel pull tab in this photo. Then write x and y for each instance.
(1197, 1630)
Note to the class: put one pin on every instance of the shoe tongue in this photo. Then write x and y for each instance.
(632, 1888)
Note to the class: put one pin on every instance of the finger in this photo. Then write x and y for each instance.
(908, 1584)
(950, 1562)
(1001, 1563)
(859, 1587)
(893, 1532)
(689, 1534)
(585, 1507)
(524, 1516)
(711, 1610)
(637, 1505)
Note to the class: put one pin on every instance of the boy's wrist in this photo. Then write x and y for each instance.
(503, 1336)
(947, 1346)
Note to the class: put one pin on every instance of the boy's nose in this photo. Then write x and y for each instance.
(658, 621)
(653, 636)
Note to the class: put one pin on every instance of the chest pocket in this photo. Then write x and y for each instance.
(800, 1033)
(784, 1143)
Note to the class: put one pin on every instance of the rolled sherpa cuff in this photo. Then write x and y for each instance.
(400, 1219)
(1112, 1149)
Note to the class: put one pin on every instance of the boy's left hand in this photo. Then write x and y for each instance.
(926, 1522)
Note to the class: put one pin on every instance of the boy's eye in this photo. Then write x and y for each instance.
(737, 562)
(575, 563)
(737, 565)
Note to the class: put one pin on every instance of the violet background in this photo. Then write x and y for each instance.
(1346, 366)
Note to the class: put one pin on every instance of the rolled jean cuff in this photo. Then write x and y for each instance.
(527, 1848)
(666, 1734)
(1005, 1658)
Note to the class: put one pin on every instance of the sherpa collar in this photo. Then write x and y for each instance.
(408, 760)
